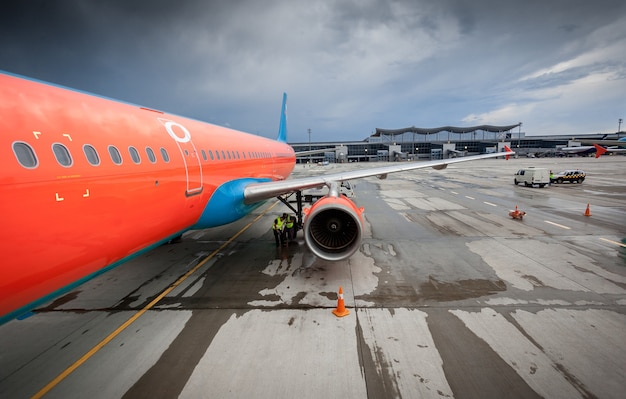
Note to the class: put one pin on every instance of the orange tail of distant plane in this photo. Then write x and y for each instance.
(599, 150)
(507, 149)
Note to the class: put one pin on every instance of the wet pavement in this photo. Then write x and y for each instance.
(448, 297)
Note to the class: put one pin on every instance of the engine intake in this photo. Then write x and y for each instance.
(333, 227)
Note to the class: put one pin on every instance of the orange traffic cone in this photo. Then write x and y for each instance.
(587, 211)
(341, 308)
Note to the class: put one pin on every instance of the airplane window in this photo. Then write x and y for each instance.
(223, 156)
(204, 155)
(228, 153)
(244, 155)
(237, 153)
(134, 154)
(116, 157)
(217, 154)
(91, 154)
(25, 155)
(62, 154)
(211, 154)
(150, 154)
(164, 154)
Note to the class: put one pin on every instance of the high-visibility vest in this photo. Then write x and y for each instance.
(289, 222)
(278, 224)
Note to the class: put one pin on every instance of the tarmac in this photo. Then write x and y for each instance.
(449, 297)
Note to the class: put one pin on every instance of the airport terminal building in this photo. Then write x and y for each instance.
(413, 143)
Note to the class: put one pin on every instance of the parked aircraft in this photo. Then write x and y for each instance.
(611, 143)
(610, 146)
(87, 183)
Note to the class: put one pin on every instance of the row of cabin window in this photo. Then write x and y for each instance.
(26, 155)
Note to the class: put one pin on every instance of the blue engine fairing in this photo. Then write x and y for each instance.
(226, 204)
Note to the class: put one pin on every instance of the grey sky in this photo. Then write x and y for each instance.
(557, 66)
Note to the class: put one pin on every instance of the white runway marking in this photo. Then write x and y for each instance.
(534, 366)
(613, 242)
(403, 346)
(433, 204)
(528, 265)
(489, 203)
(251, 352)
(557, 225)
(142, 347)
(587, 343)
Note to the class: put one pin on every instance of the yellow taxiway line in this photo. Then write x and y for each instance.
(137, 315)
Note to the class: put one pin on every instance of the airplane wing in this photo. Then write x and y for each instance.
(261, 191)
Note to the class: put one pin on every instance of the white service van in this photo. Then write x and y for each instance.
(531, 176)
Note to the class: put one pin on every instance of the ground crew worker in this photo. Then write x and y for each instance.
(279, 230)
(290, 227)
(551, 178)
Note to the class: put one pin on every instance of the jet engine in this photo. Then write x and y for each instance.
(333, 227)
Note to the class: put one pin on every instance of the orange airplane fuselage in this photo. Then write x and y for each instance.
(87, 182)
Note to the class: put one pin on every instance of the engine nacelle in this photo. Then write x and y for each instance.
(333, 227)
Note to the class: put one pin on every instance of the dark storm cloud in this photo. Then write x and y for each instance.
(348, 66)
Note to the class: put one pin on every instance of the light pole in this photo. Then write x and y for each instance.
(309, 130)
(619, 127)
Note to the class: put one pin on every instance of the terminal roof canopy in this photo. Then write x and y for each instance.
(452, 129)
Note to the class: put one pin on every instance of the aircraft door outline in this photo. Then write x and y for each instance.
(189, 154)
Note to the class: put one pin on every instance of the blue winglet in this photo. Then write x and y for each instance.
(282, 130)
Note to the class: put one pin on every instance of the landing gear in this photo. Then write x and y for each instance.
(297, 210)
